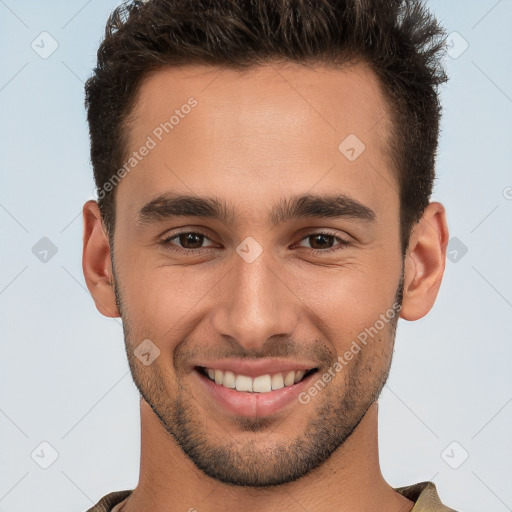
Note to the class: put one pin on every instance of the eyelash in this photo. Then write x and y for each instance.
(167, 244)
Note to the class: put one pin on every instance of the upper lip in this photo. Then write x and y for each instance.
(254, 368)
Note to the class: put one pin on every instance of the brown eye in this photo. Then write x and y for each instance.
(185, 241)
(191, 240)
(323, 242)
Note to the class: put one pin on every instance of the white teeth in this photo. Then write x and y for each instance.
(277, 381)
(243, 383)
(289, 379)
(261, 384)
(229, 380)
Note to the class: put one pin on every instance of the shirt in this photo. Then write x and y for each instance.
(424, 495)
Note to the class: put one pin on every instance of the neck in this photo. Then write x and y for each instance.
(350, 480)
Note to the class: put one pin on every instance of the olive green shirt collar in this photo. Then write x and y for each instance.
(423, 494)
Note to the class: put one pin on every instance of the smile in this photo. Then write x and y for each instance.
(264, 383)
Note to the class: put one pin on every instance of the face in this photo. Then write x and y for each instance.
(285, 252)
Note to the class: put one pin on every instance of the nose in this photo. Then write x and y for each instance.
(255, 303)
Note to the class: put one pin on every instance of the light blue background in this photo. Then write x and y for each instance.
(64, 378)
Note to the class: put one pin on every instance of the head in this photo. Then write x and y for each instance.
(264, 171)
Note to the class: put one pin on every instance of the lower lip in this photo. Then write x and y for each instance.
(253, 405)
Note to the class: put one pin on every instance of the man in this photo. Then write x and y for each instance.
(264, 171)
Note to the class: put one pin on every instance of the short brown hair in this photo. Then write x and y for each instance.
(401, 41)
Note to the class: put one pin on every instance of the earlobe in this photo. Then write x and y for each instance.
(96, 262)
(425, 262)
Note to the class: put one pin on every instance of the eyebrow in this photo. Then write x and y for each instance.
(334, 206)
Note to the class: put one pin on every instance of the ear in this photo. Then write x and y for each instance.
(96, 263)
(425, 262)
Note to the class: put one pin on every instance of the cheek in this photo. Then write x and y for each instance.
(350, 297)
(166, 303)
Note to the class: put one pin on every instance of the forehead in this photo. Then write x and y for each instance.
(247, 135)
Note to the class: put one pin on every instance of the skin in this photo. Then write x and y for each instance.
(254, 138)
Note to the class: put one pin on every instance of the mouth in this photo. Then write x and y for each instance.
(254, 396)
(264, 383)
